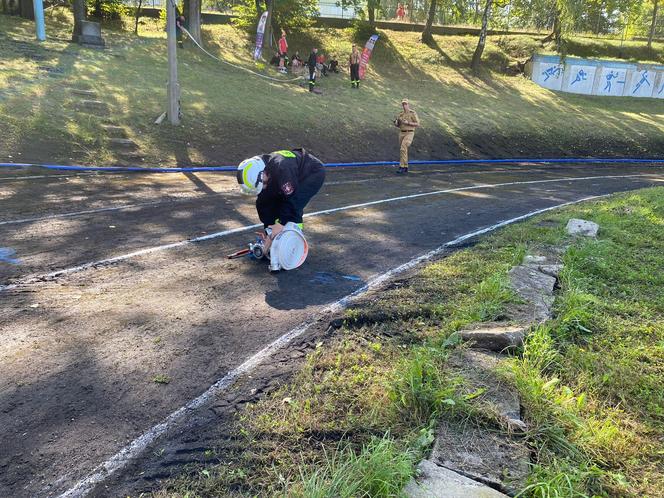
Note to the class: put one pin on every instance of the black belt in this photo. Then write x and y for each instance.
(407, 131)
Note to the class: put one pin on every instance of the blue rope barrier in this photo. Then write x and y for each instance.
(198, 169)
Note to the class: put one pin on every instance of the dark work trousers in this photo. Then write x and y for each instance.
(355, 75)
(271, 208)
(312, 78)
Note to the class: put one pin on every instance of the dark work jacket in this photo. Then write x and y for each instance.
(313, 58)
(294, 177)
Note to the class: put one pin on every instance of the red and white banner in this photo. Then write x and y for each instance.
(259, 36)
(366, 55)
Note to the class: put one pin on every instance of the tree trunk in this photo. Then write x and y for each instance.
(477, 56)
(653, 24)
(371, 12)
(268, 23)
(137, 15)
(27, 9)
(80, 14)
(557, 28)
(194, 15)
(426, 34)
(259, 10)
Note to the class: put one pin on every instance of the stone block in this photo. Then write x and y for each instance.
(582, 227)
(494, 336)
(536, 288)
(90, 34)
(438, 482)
(480, 372)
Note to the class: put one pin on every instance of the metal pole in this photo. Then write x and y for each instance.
(173, 86)
(39, 19)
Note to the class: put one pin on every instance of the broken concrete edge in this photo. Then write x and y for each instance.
(434, 481)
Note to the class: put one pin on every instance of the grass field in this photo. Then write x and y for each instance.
(359, 415)
(230, 114)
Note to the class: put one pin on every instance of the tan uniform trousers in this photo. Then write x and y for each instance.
(405, 139)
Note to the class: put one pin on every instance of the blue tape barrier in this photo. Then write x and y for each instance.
(198, 169)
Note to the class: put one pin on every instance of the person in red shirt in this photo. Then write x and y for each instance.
(283, 51)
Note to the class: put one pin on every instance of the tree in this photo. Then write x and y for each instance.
(80, 14)
(372, 5)
(290, 15)
(477, 56)
(427, 37)
(194, 15)
(651, 34)
(137, 15)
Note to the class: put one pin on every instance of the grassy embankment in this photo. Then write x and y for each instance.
(358, 416)
(229, 114)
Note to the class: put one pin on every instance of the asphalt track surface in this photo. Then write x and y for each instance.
(89, 317)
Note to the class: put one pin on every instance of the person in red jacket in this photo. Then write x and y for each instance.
(283, 51)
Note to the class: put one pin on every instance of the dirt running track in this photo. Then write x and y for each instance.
(79, 351)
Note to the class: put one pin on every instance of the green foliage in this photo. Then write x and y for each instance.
(420, 389)
(107, 9)
(361, 31)
(380, 469)
(289, 15)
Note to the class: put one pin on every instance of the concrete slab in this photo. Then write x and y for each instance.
(438, 482)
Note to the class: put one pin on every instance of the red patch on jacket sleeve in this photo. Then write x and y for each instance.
(287, 188)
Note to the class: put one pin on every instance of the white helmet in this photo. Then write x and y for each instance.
(249, 175)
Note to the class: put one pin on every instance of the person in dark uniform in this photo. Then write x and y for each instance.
(311, 63)
(285, 181)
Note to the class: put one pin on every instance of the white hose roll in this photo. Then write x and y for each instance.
(289, 249)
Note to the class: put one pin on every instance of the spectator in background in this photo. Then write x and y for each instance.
(274, 61)
(311, 63)
(334, 64)
(320, 64)
(283, 51)
(355, 67)
(180, 21)
(297, 60)
(400, 12)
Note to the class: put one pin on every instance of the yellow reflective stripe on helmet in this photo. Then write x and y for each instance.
(245, 174)
(285, 153)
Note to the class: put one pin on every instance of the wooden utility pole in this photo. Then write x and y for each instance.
(173, 87)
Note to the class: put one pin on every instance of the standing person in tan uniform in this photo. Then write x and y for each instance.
(355, 67)
(407, 121)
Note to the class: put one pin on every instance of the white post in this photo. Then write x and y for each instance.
(173, 86)
(39, 19)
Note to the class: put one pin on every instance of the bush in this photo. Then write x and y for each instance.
(362, 31)
(107, 9)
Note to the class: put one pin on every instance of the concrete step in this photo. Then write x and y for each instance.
(83, 92)
(114, 131)
(125, 143)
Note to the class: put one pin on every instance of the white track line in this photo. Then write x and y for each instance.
(73, 214)
(138, 445)
(150, 250)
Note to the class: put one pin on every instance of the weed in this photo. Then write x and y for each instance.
(161, 379)
(380, 469)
